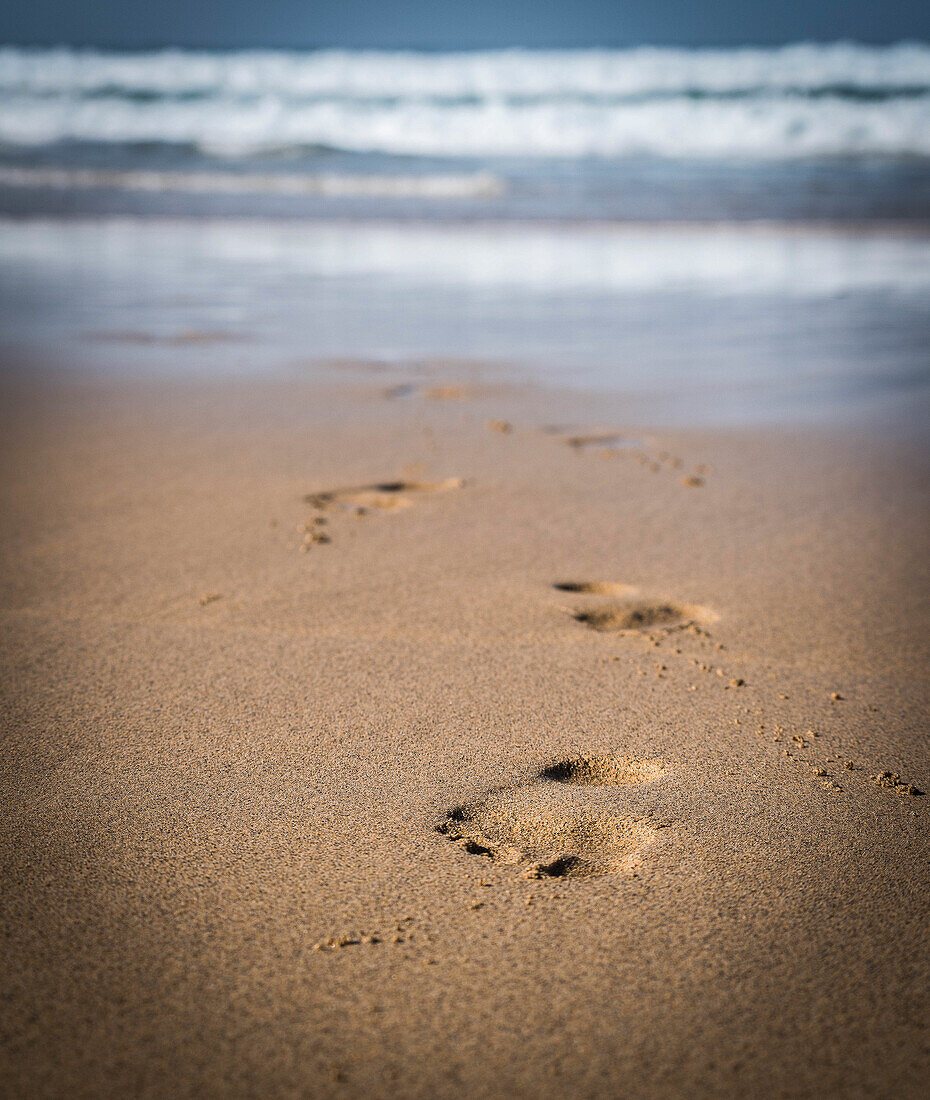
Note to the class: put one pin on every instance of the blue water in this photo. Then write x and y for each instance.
(804, 132)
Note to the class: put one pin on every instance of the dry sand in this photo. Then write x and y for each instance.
(325, 774)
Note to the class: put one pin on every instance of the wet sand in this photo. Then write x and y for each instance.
(370, 745)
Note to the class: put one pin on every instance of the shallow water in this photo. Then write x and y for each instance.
(720, 324)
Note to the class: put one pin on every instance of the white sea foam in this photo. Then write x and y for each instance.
(802, 100)
(722, 260)
(474, 185)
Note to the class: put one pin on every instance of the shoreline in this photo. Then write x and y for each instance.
(412, 386)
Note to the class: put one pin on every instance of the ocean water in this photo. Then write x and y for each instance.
(745, 227)
(806, 131)
(803, 100)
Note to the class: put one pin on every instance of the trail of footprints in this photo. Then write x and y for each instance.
(582, 816)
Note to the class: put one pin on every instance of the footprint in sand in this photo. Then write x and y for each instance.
(612, 445)
(362, 500)
(384, 496)
(448, 392)
(632, 614)
(575, 818)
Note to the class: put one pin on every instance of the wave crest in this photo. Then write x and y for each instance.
(802, 100)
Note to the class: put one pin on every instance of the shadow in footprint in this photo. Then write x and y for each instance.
(602, 771)
(643, 615)
(596, 588)
(593, 440)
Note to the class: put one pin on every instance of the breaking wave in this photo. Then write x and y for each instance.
(796, 101)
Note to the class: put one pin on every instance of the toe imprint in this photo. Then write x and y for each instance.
(596, 588)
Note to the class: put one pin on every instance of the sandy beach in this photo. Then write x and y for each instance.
(458, 741)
